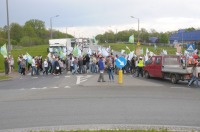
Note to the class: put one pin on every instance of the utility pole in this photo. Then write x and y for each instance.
(8, 27)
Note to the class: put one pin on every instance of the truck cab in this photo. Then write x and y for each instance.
(55, 45)
(153, 66)
(168, 66)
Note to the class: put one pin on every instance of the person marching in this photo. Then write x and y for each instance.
(23, 66)
(110, 69)
(6, 64)
(46, 67)
(194, 75)
(101, 70)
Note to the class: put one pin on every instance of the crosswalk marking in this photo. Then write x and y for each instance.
(45, 88)
(67, 87)
(81, 79)
(54, 87)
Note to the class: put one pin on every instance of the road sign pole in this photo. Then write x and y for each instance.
(120, 77)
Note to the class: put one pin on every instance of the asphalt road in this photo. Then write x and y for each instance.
(66, 100)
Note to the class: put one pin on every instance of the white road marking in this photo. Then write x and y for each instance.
(38, 88)
(67, 87)
(57, 77)
(78, 81)
(88, 76)
(28, 74)
(81, 79)
(54, 87)
(34, 77)
(180, 87)
(34, 88)
(67, 76)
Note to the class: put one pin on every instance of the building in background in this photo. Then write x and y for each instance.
(185, 37)
(153, 39)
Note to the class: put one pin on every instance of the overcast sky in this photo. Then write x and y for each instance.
(86, 18)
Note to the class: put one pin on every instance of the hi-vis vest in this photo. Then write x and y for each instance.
(140, 63)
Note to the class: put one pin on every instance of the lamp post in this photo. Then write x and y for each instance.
(8, 26)
(51, 23)
(138, 26)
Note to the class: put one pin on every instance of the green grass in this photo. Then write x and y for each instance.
(33, 51)
(132, 47)
(4, 77)
(108, 131)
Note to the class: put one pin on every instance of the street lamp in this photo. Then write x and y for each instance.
(138, 26)
(51, 23)
(8, 26)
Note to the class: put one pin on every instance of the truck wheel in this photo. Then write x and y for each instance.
(174, 79)
(146, 75)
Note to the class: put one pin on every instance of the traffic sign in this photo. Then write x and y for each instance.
(190, 47)
(120, 62)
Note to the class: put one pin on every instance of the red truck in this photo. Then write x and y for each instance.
(168, 66)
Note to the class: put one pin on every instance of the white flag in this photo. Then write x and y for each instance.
(104, 52)
(122, 51)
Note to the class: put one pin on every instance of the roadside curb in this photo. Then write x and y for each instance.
(11, 75)
(106, 127)
(6, 79)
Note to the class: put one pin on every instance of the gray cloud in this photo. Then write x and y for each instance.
(96, 12)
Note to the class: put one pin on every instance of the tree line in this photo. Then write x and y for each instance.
(33, 32)
(144, 35)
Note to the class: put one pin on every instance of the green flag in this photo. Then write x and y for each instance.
(62, 55)
(95, 41)
(142, 51)
(128, 49)
(4, 51)
(29, 58)
(131, 39)
(155, 47)
(75, 51)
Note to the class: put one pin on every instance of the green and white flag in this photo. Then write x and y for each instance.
(62, 55)
(155, 47)
(95, 41)
(128, 49)
(131, 39)
(29, 58)
(4, 51)
(142, 51)
(75, 51)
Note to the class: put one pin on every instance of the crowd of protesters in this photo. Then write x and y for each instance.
(54, 65)
(94, 63)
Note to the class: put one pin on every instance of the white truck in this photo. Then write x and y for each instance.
(55, 44)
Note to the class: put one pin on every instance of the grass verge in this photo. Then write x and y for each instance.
(2, 77)
(107, 131)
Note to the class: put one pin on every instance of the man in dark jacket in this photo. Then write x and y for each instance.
(87, 60)
(6, 64)
(101, 70)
